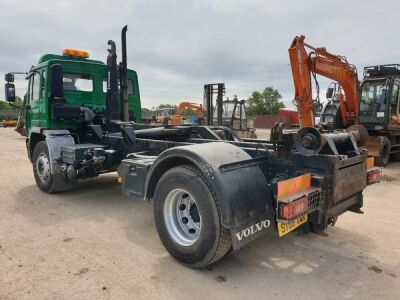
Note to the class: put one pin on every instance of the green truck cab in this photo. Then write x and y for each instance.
(85, 84)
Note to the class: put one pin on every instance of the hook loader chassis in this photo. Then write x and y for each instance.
(213, 192)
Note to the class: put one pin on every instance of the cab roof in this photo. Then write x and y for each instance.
(49, 57)
(381, 70)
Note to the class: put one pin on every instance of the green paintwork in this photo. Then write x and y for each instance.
(38, 113)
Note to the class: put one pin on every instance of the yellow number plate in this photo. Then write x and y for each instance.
(286, 228)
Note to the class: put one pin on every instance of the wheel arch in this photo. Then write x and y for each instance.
(161, 167)
(34, 138)
(55, 139)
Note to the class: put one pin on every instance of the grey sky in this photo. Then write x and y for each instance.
(177, 46)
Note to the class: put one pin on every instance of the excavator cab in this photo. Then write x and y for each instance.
(378, 111)
(379, 98)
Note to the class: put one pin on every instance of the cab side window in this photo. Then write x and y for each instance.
(36, 88)
(394, 99)
(43, 85)
(237, 112)
(29, 92)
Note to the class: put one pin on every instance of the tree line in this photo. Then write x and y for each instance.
(265, 102)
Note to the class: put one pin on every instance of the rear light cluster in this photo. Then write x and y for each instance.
(293, 209)
(374, 175)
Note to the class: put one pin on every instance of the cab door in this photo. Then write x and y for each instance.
(34, 107)
(27, 108)
(394, 115)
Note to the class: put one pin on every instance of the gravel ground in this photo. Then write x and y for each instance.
(95, 243)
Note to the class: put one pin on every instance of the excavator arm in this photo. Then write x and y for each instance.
(177, 117)
(189, 105)
(335, 67)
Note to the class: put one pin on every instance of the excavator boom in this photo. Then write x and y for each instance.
(318, 61)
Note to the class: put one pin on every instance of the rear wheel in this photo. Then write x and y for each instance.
(396, 156)
(187, 218)
(384, 156)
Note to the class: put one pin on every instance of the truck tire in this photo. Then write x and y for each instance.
(384, 157)
(187, 218)
(395, 156)
(46, 181)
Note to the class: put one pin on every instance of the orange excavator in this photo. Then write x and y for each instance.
(177, 117)
(335, 67)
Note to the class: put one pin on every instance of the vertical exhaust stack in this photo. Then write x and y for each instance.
(207, 103)
(113, 111)
(124, 77)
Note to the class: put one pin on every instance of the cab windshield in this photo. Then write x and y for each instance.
(373, 96)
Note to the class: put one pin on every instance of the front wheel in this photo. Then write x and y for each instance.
(187, 218)
(45, 180)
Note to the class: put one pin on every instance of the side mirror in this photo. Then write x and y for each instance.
(56, 82)
(9, 77)
(10, 91)
(329, 93)
(317, 107)
(9, 87)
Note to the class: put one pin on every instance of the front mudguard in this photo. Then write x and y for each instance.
(56, 139)
(244, 196)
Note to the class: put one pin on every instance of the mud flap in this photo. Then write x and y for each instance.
(252, 229)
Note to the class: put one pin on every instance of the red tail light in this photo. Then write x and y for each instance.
(374, 175)
(293, 209)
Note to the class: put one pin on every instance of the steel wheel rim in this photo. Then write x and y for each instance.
(43, 167)
(182, 218)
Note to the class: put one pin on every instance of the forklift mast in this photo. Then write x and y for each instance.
(208, 102)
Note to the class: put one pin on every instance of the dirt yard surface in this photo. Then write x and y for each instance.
(95, 243)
